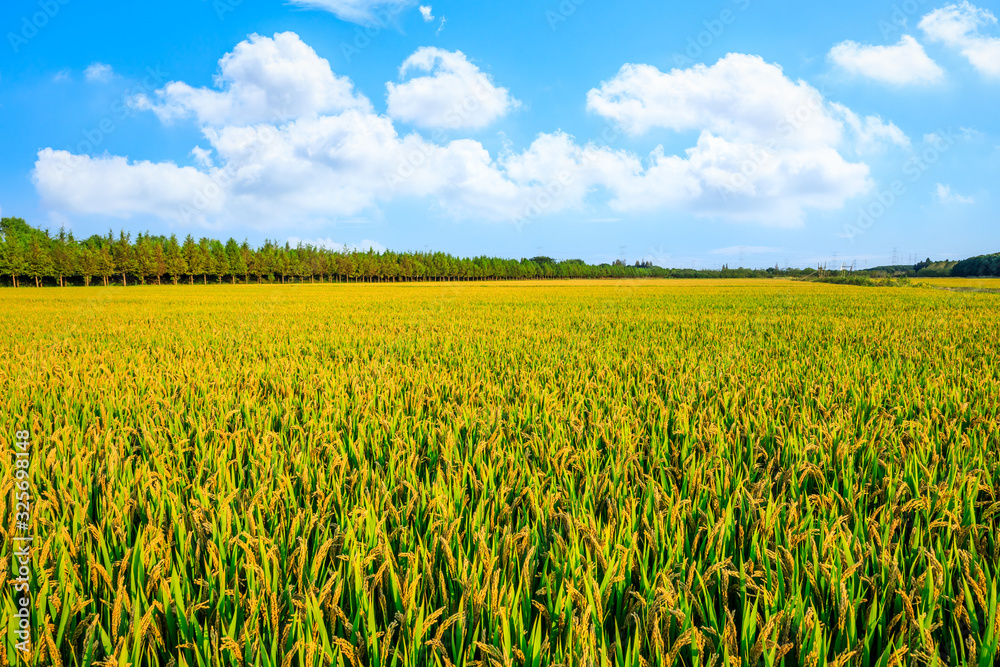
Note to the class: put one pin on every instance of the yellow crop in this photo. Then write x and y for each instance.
(589, 473)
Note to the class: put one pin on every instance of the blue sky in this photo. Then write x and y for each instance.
(692, 134)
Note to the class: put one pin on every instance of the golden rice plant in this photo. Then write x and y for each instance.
(655, 473)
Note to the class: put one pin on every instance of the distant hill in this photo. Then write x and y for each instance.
(983, 265)
(892, 268)
(936, 269)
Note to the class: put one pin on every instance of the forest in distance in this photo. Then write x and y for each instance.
(43, 258)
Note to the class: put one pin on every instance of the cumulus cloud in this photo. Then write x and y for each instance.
(262, 80)
(944, 195)
(454, 94)
(740, 181)
(958, 26)
(286, 141)
(98, 73)
(114, 186)
(370, 12)
(903, 64)
(871, 134)
(769, 147)
(305, 171)
(427, 12)
(741, 97)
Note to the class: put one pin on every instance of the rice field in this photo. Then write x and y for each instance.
(981, 283)
(500, 474)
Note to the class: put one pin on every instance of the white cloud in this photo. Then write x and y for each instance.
(98, 73)
(963, 133)
(944, 195)
(203, 157)
(871, 134)
(427, 12)
(957, 26)
(262, 80)
(769, 148)
(113, 186)
(902, 64)
(370, 12)
(287, 142)
(455, 94)
(330, 244)
(740, 181)
(301, 164)
(302, 171)
(741, 97)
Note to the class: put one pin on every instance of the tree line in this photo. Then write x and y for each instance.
(30, 256)
(984, 265)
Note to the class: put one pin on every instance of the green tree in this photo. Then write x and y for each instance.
(14, 259)
(124, 258)
(143, 258)
(234, 258)
(39, 264)
(17, 235)
(5, 259)
(176, 265)
(159, 262)
(204, 259)
(284, 262)
(246, 260)
(257, 264)
(88, 263)
(218, 260)
(192, 257)
(19, 230)
(105, 264)
(64, 256)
